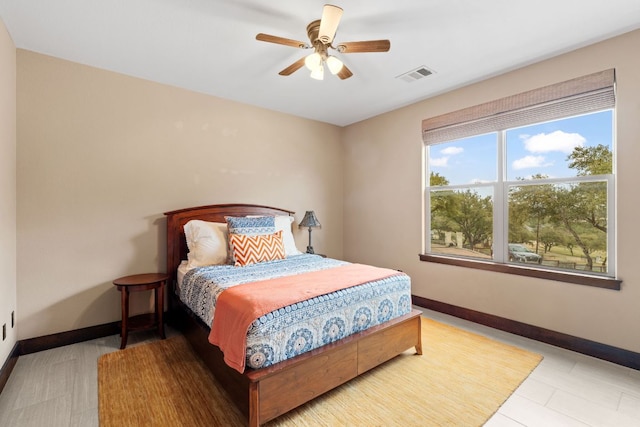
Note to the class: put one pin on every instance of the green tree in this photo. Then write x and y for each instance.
(441, 203)
(596, 160)
(442, 207)
(435, 179)
(529, 207)
(551, 236)
(473, 215)
(569, 209)
(580, 208)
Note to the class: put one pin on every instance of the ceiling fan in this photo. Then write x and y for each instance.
(321, 33)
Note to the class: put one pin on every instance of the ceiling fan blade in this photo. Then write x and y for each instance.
(281, 40)
(293, 67)
(329, 23)
(366, 46)
(344, 73)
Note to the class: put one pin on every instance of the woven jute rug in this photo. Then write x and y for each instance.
(460, 380)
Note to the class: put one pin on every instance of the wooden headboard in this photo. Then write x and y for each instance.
(176, 242)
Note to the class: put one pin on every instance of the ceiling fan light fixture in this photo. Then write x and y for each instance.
(318, 73)
(313, 61)
(321, 33)
(334, 64)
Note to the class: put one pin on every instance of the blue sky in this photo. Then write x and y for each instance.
(541, 148)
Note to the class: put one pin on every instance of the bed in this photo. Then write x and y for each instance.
(265, 393)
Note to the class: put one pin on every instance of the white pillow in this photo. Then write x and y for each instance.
(283, 222)
(207, 243)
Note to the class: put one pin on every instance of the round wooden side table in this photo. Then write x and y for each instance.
(136, 283)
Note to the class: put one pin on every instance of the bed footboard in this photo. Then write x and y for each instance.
(267, 393)
(278, 389)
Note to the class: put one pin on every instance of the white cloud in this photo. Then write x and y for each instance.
(441, 162)
(530, 162)
(554, 141)
(451, 151)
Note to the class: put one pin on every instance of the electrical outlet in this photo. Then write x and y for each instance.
(13, 319)
(4, 332)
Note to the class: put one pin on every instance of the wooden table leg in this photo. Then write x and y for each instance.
(160, 309)
(125, 317)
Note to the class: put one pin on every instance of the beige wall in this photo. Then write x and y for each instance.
(383, 205)
(101, 156)
(7, 189)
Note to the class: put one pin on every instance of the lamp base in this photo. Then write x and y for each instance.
(310, 250)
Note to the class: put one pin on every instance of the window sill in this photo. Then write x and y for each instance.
(578, 279)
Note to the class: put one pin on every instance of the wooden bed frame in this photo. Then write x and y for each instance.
(264, 394)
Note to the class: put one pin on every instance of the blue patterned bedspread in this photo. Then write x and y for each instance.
(304, 326)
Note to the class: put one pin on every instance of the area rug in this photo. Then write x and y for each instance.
(460, 380)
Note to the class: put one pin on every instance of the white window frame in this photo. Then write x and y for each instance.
(587, 94)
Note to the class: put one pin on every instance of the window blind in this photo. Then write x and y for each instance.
(581, 95)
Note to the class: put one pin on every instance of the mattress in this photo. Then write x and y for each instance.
(303, 326)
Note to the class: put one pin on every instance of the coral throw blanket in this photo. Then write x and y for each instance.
(238, 306)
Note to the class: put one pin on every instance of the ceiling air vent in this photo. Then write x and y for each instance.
(416, 74)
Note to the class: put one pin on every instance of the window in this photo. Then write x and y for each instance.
(525, 184)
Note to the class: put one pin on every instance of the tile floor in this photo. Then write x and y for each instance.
(566, 389)
(58, 387)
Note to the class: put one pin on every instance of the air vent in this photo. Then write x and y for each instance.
(416, 74)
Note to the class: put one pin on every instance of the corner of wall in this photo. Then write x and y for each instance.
(8, 196)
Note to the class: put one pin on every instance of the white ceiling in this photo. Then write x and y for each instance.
(209, 46)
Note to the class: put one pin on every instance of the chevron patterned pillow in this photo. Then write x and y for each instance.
(253, 249)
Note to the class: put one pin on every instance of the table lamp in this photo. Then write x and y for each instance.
(310, 221)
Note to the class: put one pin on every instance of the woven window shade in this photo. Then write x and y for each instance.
(581, 95)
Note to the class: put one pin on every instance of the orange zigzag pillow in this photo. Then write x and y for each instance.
(253, 249)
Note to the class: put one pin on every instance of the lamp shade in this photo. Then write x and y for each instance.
(313, 61)
(318, 73)
(310, 220)
(334, 64)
